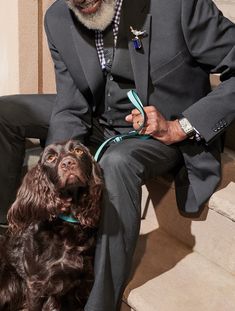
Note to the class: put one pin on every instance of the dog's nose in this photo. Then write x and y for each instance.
(68, 163)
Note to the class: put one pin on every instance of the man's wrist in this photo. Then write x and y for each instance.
(178, 133)
(187, 127)
(174, 134)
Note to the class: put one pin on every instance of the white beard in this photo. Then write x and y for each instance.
(100, 19)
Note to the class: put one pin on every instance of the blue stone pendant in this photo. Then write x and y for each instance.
(137, 43)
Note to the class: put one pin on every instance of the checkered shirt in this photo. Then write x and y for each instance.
(99, 35)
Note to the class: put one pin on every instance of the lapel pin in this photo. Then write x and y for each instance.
(137, 41)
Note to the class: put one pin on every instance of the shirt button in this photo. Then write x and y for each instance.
(111, 122)
(109, 94)
(111, 78)
(109, 108)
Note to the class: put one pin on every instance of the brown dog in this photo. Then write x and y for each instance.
(46, 258)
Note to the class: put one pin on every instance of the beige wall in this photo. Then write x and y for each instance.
(28, 45)
(48, 84)
(25, 63)
(9, 47)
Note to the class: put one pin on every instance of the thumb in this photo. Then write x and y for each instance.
(129, 118)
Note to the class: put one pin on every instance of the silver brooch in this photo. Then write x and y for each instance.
(137, 40)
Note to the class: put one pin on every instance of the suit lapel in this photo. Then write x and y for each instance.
(136, 15)
(84, 41)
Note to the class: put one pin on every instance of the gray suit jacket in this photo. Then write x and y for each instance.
(186, 41)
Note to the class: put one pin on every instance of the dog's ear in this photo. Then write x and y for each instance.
(90, 210)
(36, 199)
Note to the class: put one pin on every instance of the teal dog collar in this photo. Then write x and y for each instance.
(68, 218)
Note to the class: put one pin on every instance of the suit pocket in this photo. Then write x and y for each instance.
(159, 73)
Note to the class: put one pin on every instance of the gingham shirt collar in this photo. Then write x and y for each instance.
(99, 35)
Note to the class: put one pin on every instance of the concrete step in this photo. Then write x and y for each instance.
(212, 234)
(168, 276)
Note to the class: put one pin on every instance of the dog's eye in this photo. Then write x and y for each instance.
(51, 158)
(78, 151)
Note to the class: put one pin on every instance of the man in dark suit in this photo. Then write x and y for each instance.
(165, 50)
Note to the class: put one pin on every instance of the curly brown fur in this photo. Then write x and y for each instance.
(46, 263)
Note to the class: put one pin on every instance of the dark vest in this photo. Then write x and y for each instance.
(119, 79)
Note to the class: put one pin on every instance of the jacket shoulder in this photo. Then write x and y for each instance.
(167, 4)
(58, 9)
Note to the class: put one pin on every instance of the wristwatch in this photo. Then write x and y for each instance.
(187, 127)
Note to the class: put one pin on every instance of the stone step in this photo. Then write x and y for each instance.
(212, 234)
(223, 201)
(168, 276)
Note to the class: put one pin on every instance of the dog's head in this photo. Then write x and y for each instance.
(68, 166)
(66, 180)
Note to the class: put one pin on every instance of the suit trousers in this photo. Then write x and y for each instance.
(21, 116)
(126, 167)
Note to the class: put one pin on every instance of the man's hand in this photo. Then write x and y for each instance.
(168, 132)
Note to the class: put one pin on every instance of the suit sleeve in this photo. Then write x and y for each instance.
(71, 115)
(210, 38)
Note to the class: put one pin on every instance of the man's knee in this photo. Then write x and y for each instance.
(119, 161)
(114, 159)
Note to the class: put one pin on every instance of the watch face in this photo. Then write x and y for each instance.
(186, 126)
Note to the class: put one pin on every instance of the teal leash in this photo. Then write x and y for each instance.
(68, 218)
(134, 98)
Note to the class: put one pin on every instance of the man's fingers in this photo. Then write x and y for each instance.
(135, 119)
(148, 109)
(135, 112)
(129, 118)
